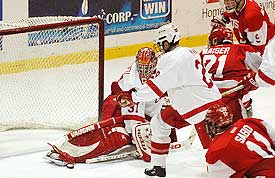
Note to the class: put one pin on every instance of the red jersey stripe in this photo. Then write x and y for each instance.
(199, 109)
(154, 88)
(266, 78)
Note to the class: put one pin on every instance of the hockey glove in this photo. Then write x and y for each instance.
(217, 22)
(249, 83)
(124, 98)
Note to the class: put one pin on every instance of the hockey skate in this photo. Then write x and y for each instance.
(155, 172)
(53, 157)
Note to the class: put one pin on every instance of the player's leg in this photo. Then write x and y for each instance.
(160, 143)
(174, 119)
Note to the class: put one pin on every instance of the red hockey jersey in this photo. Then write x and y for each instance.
(229, 63)
(234, 152)
(252, 25)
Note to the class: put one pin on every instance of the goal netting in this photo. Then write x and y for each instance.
(51, 72)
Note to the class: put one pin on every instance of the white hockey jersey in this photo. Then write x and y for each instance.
(130, 79)
(266, 73)
(188, 85)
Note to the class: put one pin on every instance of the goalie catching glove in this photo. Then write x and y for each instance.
(124, 98)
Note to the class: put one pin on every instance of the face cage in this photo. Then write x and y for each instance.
(230, 5)
(210, 129)
(213, 128)
(145, 71)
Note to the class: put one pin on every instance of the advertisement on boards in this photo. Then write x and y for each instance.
(119, 17)
(212, 8)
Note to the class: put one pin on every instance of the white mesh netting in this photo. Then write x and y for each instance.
(49, 78)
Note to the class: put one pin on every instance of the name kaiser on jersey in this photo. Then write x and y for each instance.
(218, 50)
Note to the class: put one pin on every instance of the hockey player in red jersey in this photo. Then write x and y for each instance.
(189, 88)
(245, 148)
(115, 129)
(250, 22)
(228, 65)
(265, 76)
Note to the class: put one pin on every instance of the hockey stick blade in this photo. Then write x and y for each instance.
(177, 146)
(129, 155)
(127, 152)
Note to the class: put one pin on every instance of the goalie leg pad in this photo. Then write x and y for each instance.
(95, 143)
(141, 134)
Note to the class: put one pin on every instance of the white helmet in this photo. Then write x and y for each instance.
(168, 32)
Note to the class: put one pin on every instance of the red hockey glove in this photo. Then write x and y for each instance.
(124, 98)
(217, 22)
(249, 83)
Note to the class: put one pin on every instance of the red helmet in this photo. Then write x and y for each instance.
(220, 35)
(146, 62)
(218, 118)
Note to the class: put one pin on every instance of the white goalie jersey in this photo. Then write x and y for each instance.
(130, 79)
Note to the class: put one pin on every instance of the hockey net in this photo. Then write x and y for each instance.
(51, 72)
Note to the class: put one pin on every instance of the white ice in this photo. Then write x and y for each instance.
(28, 147)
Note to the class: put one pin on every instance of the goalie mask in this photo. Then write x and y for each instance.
(146, 62)
(169, 33)
(220, 35)
(218, 118)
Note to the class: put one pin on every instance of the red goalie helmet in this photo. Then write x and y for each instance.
(218, 118)
(146, 62)
(220, 35)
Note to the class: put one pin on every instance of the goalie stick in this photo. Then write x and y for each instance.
(175, 146)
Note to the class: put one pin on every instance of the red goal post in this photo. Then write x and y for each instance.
(51, 72)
